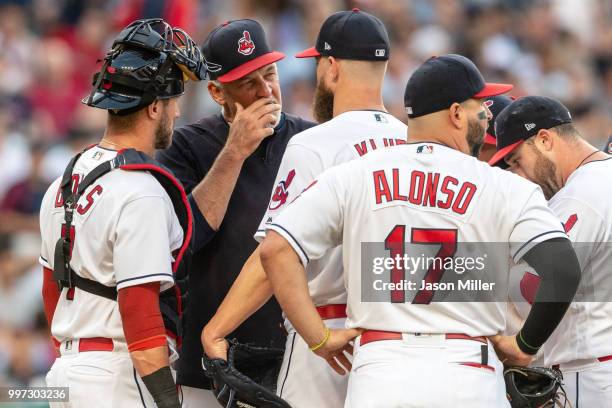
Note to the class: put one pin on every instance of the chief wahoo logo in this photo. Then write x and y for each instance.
(280, 193)
(245, 45)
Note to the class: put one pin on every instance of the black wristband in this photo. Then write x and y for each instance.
(522, 344)
(162, 388)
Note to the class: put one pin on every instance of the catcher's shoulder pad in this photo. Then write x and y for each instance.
(528, 387)
(248, 378)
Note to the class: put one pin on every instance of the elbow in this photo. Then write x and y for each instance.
(271, 248)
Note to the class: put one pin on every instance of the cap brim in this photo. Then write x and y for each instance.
(493, 89)
(502, 153)
(251, 66)
(308, 53)
(489, 139)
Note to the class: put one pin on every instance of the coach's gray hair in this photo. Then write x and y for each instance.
(217, 83)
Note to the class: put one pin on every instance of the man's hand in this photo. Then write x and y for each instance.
(334, 349)
(250, 126)
(214, 347)
(509, 352)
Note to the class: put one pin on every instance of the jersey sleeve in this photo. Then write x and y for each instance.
(145, 236)
(582, 224)
(47, 247)
(299, 167)
(535, 223)
(313, 223)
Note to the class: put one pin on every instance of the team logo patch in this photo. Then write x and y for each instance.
(380, 52)
(425, 149)
(245, 45)
(326, 46)
(281, 192)
(97, 156)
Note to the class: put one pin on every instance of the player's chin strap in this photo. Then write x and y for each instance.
(129, 159)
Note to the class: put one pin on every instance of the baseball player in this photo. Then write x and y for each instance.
(352, 50)
(538, 141)
(426, 353)
(227, 163)
(113, 234)
(522, 279)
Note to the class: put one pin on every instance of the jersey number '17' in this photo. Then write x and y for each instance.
(395, 243)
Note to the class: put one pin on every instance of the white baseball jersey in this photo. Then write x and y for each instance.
(347, 136)
(125, 230)
(423, 193)
(584, 205)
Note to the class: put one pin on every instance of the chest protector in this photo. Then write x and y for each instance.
(171, 300)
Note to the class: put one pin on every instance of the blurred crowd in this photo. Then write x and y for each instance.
(50, 48)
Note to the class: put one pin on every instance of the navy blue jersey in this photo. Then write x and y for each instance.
(219, 256)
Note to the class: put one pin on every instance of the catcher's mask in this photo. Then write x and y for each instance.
(534, 387)
(148, 60)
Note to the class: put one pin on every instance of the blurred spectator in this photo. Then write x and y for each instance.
(21, 204)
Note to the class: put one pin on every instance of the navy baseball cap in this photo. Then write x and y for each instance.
(354, 35)
(523, 119)
(235, 49)
(495, 104)
(441, 81)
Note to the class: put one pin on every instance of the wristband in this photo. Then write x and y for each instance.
(524, 346)
(322, 343)
(162, 388)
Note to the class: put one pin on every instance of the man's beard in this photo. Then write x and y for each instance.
(163, 133)
(323, 109)
(544, 175)
(475, 137)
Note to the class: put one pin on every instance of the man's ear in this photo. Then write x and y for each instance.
(216, 93)
(456, 115)
(333, 72)
(545, 140)
(154, 110)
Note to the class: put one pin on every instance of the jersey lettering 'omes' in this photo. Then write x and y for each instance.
(423, 189)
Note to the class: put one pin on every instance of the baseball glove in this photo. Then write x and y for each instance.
(534, 387)
(248, 378)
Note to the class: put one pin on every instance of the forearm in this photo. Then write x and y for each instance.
(145, 336)
(148, 361)
(213, 193)
(250, 291)
(289, 283)
(556, 263)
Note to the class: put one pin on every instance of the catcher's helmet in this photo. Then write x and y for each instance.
(148, 60)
